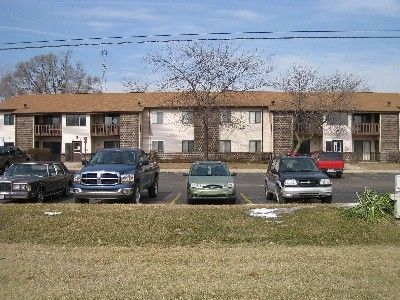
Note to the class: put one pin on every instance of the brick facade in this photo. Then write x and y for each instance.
(283, 132)
(129, 130)
(24, 131)
(389, 134)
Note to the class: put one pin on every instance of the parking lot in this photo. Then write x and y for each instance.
(250, 188)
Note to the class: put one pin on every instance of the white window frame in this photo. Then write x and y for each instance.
(254, 146)
(9, 119)
(225, 146)
(157, 117)
(225, 116)
(157, 146)
(255, 116)
(187, 117)
(187, 146)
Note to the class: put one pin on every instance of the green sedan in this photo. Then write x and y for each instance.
(210, 180)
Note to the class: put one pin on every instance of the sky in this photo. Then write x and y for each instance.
(371, 49)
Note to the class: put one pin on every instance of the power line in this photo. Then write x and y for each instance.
(226, 36)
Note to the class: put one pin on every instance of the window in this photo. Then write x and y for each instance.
(254, 146)
(111, 119)
(225, 116)
(8, 119)
(157, 146)
(334, 145)
(187, 146)
(337, 118)
(187, 117)
(157, 117)
(224, 146)
(10, 144)
(255, 117)
(76, 120)
(111, 144)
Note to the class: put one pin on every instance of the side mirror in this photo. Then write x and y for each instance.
(233, 174)
(185, 174)
(84, 162)
(274, 171)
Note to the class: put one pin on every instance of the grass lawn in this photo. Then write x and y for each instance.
(194, 252)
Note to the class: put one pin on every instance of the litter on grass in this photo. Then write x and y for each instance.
(270, 213)
(52, 213)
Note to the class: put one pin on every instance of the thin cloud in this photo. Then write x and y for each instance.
(9, 28)
(244, 15)
(382, 7)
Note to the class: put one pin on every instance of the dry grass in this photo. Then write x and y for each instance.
(194, 252)
(200, 272)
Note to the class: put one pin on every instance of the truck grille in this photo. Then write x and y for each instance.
(100, 178)
(308, 183)
(5, 186)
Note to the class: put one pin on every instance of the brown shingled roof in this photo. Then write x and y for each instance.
(136, 102)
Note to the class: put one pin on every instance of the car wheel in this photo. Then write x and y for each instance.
(153, 190)
(80, 200)
(67, 190)
(279, 198)
(136, 194)
(327, 200)
(189, 201)
(40, 195)
(268, 194)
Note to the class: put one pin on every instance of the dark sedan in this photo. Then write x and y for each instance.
(35, 180)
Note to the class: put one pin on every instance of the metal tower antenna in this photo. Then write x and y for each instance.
(104, 54)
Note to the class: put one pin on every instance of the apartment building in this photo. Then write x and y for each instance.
(76, 125)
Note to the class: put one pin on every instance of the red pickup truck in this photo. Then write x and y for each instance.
(331, 163)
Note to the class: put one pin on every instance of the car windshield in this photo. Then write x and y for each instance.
(27, 170)
(204, 169)
(298, 165)
(114, 157)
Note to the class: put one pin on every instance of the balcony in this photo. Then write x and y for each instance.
(365, 129)
(104, 129)
(47, 130)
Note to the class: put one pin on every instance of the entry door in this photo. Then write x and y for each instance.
(366, 150)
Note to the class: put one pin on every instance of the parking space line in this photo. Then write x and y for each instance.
(247, 200)
(176, 198)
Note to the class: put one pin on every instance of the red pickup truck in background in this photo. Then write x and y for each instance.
(331, 163)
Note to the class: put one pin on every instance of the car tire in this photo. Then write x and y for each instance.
(153, 190)
(268, 194)
(136, 194)
(67, 190)
(81, 200)
(326, 200)
(40, 195)
(280, 199)
(190, 201)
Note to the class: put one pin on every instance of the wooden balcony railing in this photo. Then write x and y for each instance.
(365, 128)
(104, 129)
(48, 130)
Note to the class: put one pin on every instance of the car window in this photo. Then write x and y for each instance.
(213, 169)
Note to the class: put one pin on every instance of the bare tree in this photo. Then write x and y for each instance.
(48, 74)
(204, 74)
(318, 99)
(131, 84)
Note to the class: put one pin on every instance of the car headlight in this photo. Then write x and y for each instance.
(125, 178)
(77, 178)
(21, 187)
(325, 181)
(229, 185)
(290, 182)
(195, 185)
